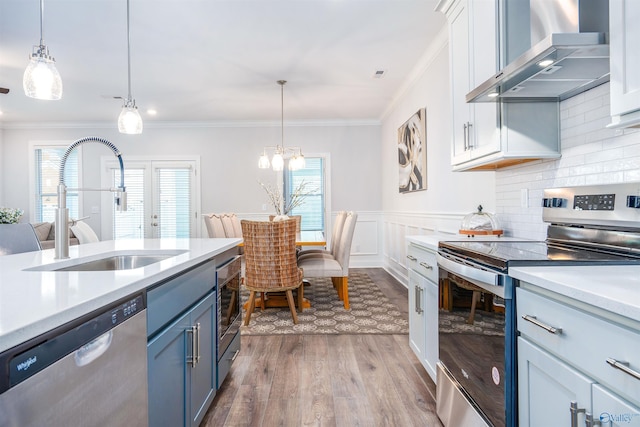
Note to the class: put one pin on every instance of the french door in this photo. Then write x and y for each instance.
(161, 200)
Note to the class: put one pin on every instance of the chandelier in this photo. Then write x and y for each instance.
(294, 154)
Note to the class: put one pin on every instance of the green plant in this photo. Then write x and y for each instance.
(277, 199)
(10, 215)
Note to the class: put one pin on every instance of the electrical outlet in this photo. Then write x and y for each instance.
(264, 206)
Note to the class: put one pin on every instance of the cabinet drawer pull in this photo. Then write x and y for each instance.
(191, 359)
(233, 358)
(624, 368)
(538, 323)
(418, 294)
(573, 408)
(197, 342)
(411, 257)
(427, 266)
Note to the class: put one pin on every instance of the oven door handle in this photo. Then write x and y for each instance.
(488, 280)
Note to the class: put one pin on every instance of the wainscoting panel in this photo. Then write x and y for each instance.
(399, 225)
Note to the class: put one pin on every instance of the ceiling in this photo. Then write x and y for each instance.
(216, 60)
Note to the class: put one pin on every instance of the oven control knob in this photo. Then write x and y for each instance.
(553, 202)
(633, 202)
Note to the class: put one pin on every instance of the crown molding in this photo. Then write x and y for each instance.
(183, 125)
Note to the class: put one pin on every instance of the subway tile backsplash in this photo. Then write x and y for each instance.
(591, 154)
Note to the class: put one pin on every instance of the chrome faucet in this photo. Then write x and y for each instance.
(62, 212)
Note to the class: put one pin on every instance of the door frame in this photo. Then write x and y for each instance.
(106, 201)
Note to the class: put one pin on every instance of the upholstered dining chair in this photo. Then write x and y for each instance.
(18, 238)
(335, 240)
(336, 267)
(223, 225)
(270, 262)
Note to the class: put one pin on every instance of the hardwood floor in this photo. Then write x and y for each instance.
(328, 380)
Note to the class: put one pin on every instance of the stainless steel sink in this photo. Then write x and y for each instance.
(117, 262)
(112, 261)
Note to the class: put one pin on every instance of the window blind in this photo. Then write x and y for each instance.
(130, 223)
(312, 210)
(47, 170)
(174, 199)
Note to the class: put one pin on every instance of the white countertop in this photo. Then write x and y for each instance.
(34, 302)
(430, 241)
(612, 288)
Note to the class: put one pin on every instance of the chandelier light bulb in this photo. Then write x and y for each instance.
(263, 163)
(277, 162)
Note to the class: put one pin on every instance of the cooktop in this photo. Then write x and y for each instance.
(506, 254)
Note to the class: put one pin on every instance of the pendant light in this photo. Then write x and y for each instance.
(129, 121)
(296, 160)
(41, 79)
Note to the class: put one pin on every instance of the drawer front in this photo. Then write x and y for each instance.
(171, 298)
(226, 359)
(423, 261)
(586, 341)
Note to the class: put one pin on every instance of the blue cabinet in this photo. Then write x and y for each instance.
(182, 330)
(182, 374)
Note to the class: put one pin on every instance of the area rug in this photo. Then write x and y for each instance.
(371, 312)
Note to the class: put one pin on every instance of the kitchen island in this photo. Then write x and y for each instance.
(34, 302)
(144, 310)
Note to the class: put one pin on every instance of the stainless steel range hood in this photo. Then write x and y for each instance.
(570, 55)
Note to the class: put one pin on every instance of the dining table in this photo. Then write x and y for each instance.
(277, 299)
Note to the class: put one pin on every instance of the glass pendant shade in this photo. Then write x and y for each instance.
(263, 163)
(296, 162)
(41, 79)
(277, 162)
(129, 121)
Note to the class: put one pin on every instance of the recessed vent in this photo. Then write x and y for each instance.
(378, 74)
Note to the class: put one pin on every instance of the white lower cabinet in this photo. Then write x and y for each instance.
(547, 387)
(577, 365)
(423, 306)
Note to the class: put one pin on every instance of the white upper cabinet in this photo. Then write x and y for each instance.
(472, 49)
(624, 33)
(490, 135)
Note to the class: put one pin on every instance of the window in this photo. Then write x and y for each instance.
(47, 176)
(313, 208)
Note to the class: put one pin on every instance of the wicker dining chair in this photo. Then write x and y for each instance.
(270, 262)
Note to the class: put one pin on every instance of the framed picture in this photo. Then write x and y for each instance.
(412, 153)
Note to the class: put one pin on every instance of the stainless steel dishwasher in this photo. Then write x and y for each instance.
(89, 372)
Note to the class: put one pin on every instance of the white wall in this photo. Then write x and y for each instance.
(591, 154)
(228, 158)
(2, 157)
(449, 195)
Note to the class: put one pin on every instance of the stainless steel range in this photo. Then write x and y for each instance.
(476, 384)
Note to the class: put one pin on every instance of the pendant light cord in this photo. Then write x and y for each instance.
(128, 55)
(282, 83)
(41, 22)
